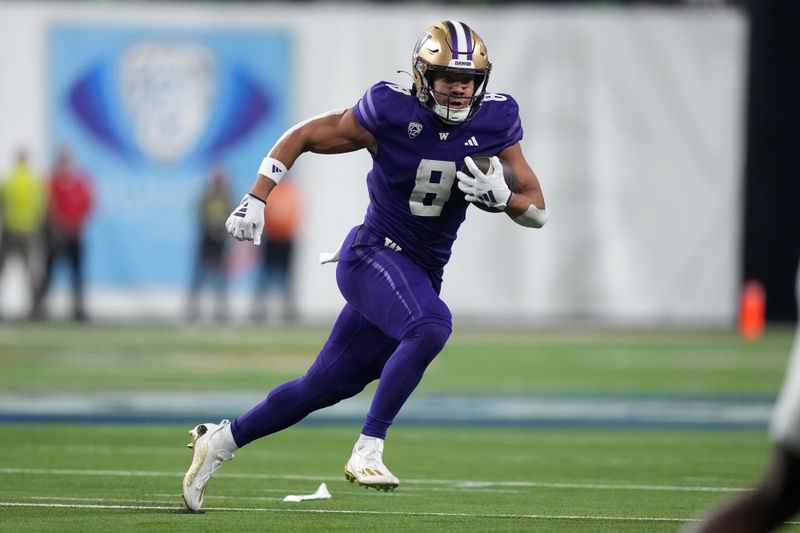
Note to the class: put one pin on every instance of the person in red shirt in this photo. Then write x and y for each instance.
(69, 204)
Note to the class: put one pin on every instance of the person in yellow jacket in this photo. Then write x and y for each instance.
(21, 214)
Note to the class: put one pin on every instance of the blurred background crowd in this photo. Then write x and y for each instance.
(662, 132)
(43, 217)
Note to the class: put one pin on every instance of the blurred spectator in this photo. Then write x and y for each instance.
(21, 209)
(213, 210)
(69, 203)
(277, 252)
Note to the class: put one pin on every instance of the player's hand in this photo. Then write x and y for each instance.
(489, 189)
(247, 221)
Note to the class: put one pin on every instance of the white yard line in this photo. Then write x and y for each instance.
(172, 498)
(359, 512)
(363, 512)
(455, 484)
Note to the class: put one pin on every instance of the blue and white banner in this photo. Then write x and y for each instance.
(149, 114)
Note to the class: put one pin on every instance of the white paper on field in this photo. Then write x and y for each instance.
(320, 494)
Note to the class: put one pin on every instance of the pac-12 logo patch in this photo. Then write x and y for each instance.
(414, 129)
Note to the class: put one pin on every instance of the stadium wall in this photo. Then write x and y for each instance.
(632, 121)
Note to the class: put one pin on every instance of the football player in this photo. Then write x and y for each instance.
(390, 267)
(777, 496)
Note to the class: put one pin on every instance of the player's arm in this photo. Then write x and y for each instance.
(336, 132)
(530, 192)
(526, 206)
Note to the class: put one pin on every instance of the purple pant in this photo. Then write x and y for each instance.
(392, 327)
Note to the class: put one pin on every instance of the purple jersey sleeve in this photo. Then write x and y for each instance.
(382, 106)
(366, 112)
(501, 113)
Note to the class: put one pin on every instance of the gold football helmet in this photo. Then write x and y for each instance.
(450, 47)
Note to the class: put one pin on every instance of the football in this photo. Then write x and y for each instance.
(484, 162)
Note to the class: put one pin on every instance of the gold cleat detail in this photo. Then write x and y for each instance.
(349, 476)
(195, 434)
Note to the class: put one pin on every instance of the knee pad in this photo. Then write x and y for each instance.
(435, 334)
(430, 338)
(336, 386)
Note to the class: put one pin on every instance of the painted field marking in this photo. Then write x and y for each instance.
(172, 498)
(364, 512)
(357, 512)
(455, 484)
(606, 410)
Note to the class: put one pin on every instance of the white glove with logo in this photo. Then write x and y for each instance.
(247, 221)
(489, 189)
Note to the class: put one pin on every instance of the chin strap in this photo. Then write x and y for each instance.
(455, 116)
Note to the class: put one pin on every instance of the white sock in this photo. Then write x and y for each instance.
(225, 439)
(372, 442)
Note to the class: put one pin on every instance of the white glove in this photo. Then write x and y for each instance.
(488, 189)
(247, 221)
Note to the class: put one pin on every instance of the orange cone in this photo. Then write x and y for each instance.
(752, 311)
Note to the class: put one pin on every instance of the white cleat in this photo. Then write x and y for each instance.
(211, 447)
(366, 466)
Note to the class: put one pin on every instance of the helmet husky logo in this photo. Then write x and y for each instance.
(414, 129)
(450, 47)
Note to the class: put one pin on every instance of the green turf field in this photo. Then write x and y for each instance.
(71, 476)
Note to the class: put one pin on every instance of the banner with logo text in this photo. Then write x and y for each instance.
(150, 114)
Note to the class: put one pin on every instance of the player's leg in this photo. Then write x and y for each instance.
(777, 497)
(220, 282)
(259, 309)
(26, 245)
(74, 252)
(399, 297)
(4, 240)
(283, 262)
(351, 358)
(211, 445)
(4, 249)
(43, 286)
(773, 501)
(199, 271)
(401, 375)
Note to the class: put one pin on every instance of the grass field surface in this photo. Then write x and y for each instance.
(86, 472)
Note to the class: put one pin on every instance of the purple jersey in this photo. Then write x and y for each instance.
(414, 198)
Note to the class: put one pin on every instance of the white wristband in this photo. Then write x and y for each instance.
(273, 169)
(532, 218)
